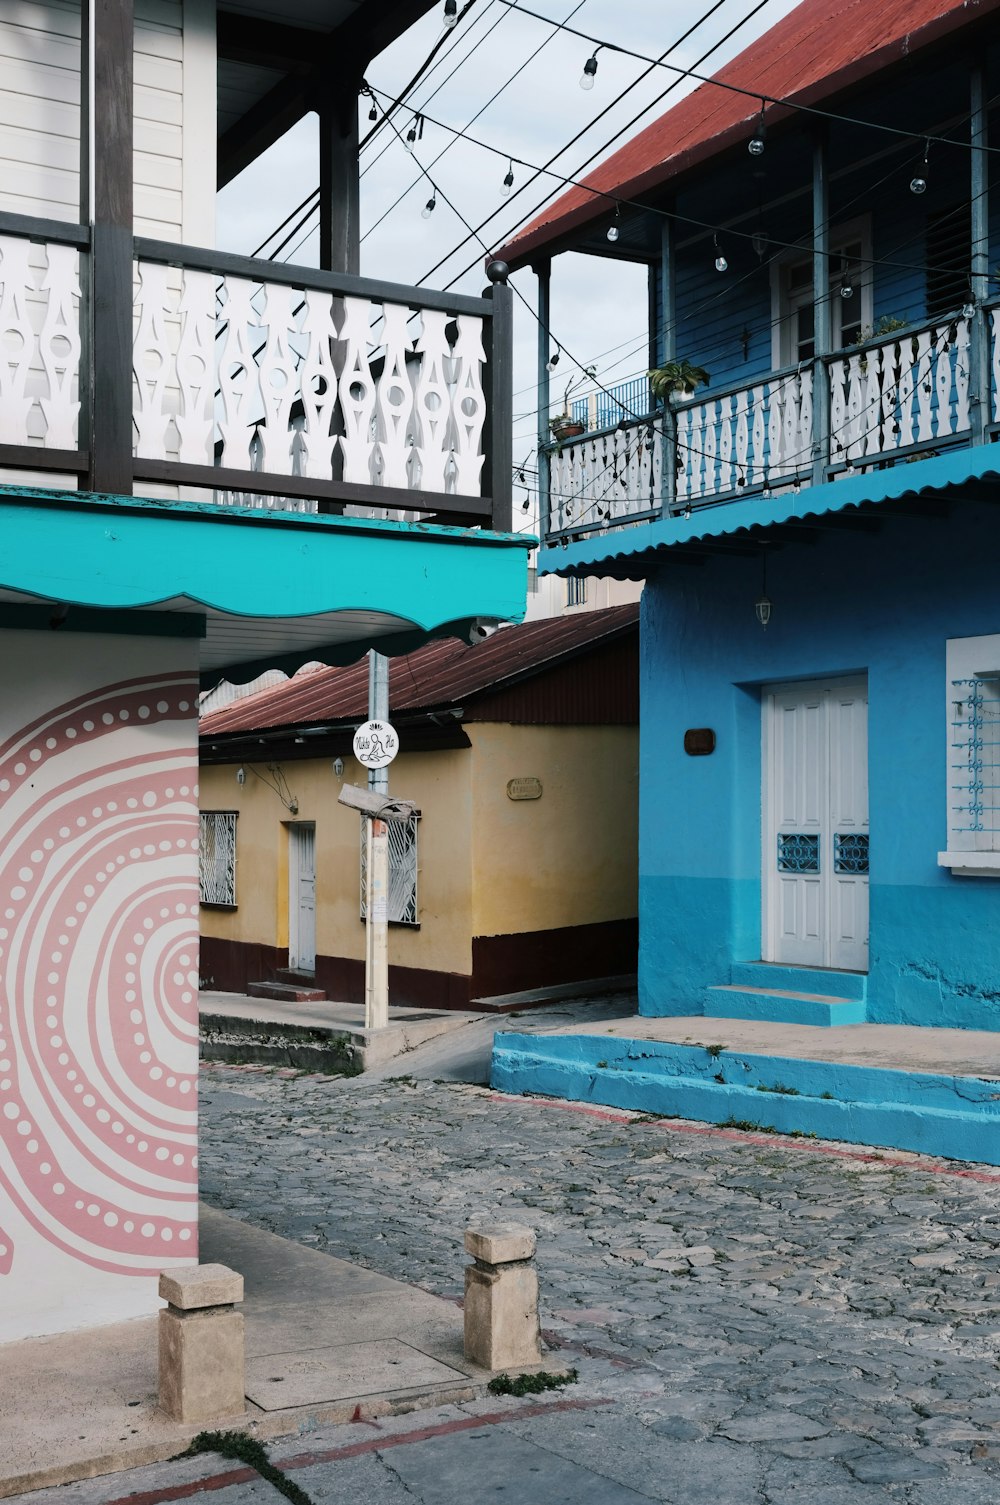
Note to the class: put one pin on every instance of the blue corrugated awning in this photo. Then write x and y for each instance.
(629, 551)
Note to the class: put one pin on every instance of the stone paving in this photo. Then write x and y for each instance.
(755, 1321)
(770, 1321)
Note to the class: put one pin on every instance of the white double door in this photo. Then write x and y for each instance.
(815, 825)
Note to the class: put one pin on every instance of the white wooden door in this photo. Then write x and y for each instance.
(815, 857)
(302, 897)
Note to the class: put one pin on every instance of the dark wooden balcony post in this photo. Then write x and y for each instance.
(339, 233)
(821, 309)
(543, 271)
(498, 438)
(979, 348)
(107, 30)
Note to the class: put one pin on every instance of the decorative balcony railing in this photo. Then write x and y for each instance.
(254, 382)
(889, 399)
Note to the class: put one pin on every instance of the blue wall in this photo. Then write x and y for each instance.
(882, 603)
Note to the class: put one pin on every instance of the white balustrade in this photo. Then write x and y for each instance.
(904, 391)
(296, 381)
(39, 344)
(604, 479)
(747, 438)
(994, 326)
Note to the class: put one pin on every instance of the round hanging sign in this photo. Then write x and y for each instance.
(375, 744)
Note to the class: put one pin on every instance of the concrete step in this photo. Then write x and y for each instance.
(288, 992)
(953, 1116)
(824, 980)
(782, 1006)
(296, 975)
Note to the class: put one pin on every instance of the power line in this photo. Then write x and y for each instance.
(765, 99)
(600, 116)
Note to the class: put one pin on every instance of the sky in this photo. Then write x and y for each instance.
(599, 308)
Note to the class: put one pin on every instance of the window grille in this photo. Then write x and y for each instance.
(975, 762)
(217, 857)
(576, 591)
(402, 906)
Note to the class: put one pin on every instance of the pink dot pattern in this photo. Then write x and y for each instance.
(99, 975)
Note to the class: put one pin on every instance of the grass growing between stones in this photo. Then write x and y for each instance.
(530, 1384)
(243, 1449)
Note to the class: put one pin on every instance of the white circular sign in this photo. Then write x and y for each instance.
(375, 744)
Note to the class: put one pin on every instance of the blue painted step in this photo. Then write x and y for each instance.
(756, 975)
(954, 1116)
(781, 1006)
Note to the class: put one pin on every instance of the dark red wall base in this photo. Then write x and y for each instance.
(501, 964)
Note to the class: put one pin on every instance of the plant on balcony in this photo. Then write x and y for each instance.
(563, 425)
(675, 380)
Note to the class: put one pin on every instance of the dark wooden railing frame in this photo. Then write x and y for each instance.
(103, 454)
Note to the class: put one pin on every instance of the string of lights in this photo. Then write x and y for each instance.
(758, 140)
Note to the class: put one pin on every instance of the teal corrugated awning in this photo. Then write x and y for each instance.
(629, 552)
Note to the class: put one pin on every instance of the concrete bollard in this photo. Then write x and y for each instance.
(501, 1297)
(201, 1344)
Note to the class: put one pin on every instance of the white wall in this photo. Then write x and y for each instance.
(175, 87)
(98, 975)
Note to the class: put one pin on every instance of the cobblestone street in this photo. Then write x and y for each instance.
(764, 1320)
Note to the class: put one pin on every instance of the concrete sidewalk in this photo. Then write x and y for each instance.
(322, 1036)
(326, 1341)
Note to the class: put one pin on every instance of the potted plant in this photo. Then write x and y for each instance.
(563, 425)
(677, 379)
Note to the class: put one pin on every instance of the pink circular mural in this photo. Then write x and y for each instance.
(99, 975)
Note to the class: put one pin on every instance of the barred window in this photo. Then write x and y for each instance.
(402, 905)
(576, 591)
(217, 858)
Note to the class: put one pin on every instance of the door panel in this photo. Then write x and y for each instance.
(815, 855)
(302, 897)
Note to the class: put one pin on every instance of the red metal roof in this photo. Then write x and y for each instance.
(816, 50)
(439, 675)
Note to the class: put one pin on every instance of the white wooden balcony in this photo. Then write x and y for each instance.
(255, 383)
(884, 402)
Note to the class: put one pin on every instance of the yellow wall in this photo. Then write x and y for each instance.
(570, 857)
(487, 865)
(437, 782)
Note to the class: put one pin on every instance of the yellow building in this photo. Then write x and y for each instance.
(521, 755)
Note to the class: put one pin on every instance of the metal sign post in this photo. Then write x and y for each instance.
(375, 744)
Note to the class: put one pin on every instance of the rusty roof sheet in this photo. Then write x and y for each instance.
(441, 674)
(817, 49)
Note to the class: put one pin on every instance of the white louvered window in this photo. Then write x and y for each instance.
(217, 858)
(402, 870)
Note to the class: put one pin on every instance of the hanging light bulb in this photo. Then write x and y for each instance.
(525, 505)
(846, 285)
(508, 181)
(918, 183)
(450, 13)
(589, 71)
(721, 264)
(615, 227)
(430, 206)
(411, 135)
(759, 242)
(757, 142)
(553, 360)
(373, 112)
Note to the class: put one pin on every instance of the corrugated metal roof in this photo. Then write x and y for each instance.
(817, 49)
(629, 553)
(439, 675)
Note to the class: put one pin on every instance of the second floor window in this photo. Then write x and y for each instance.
(792, 298)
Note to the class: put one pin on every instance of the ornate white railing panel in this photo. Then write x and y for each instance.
(905, 391)
(995, 363)
(296, 381)
(602, 479)
(39, 343)
(745, 438)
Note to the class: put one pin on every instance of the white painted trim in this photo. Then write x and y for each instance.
(199, 154)
(971, 864)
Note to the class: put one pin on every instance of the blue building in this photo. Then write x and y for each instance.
(816, 524)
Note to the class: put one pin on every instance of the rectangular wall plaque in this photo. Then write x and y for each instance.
(524, 789)
(699, 741)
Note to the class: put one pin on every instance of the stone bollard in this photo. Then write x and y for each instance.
(501, 1297)
(201, 1344)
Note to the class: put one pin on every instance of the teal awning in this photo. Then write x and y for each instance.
(629, 552)
(274, 588)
